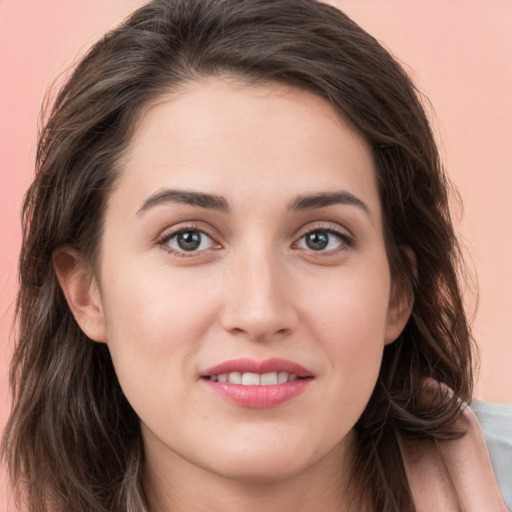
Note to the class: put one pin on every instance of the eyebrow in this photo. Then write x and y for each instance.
(215, 202)
(207, 201)
(324, 199)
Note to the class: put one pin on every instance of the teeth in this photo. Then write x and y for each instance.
(251, 379)
(255, 379)
(269, 379)
(235, 378)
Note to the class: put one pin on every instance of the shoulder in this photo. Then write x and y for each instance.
(496, 421)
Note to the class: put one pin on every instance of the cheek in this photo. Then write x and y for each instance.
(154, 304)
(350, 319)
(352, 308)
(154, 329)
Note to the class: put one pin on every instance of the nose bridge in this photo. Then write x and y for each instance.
(258, 302)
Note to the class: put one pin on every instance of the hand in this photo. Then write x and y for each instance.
(453, 476)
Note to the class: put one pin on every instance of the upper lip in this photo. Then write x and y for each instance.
(245, 365)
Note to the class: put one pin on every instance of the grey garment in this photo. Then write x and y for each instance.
(496, 421)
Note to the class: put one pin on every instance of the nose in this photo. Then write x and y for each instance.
(258, 303)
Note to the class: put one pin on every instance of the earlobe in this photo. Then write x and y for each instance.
(398, 316)
(81, 291)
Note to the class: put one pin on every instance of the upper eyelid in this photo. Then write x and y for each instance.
(325, 226)
(175, 233)
(171, 231)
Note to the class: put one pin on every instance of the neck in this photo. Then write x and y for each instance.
(174, 484)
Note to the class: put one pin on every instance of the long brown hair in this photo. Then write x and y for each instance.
(72, 441)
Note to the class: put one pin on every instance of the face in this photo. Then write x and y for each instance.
(243, 242)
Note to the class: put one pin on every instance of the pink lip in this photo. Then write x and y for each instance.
(252, 366)
(258, 396)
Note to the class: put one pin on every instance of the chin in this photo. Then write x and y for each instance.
(263, 462)
(259, 472)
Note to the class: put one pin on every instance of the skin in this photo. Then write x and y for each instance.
(254, 289)
(452, 475)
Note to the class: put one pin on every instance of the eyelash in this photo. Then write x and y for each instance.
(164, 240)
(346, 241)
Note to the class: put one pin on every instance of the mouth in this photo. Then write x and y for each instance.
(257, 384)
(255, 379)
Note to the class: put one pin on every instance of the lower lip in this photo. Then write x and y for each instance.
(259, 397)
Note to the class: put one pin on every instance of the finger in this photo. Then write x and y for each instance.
(428, 479)
(464, 463)
(469, 466)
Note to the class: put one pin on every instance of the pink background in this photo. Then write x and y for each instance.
(458, 52)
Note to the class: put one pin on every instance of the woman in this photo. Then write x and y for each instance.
(239, 278)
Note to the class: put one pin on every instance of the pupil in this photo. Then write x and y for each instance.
(317, 240)
(189, 240)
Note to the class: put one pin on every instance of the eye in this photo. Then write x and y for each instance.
(188, 240)
(323, 240)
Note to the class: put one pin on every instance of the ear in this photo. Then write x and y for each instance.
(401, 303)
(82, 293)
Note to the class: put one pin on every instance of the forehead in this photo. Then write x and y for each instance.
(229, 138)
